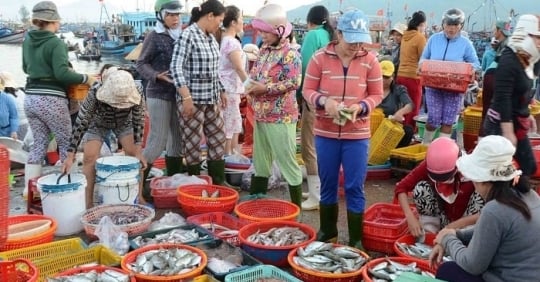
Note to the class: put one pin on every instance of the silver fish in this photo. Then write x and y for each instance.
(390, 270)
(166, 262)
(282, 236)
(324, 257)
(178, 235)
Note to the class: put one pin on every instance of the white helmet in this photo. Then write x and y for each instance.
(453, 17)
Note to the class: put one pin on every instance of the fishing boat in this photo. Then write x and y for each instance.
(88, 57)
(9, 36)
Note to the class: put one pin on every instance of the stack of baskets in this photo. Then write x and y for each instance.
(385, 139)
(46, 236)
(472, 121)
(166, 197)
(192, 201)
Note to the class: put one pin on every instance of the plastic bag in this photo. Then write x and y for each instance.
(111, 236)
(178, 180)
(170, 219)
(274, 181)
(237, 158)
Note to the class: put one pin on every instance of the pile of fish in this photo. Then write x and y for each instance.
(389, 270)
(219, 230)
(108, 275)
(205, 194)
(178, 235)
(121, 217)
(165, 262)
(418, 250)
(282, 236)
(325, 257)
(222, 258)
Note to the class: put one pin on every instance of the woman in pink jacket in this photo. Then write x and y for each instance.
(344, 83)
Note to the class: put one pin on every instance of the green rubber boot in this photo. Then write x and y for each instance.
(328, 217)
(355, 221)
(259, 185)
(194, 169)
(216, 170)
(296, 194)
(174, 165)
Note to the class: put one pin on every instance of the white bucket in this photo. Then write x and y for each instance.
(118, 191)
(117, 168)
(64, 201)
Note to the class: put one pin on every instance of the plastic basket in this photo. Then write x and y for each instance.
(255, 273)
(385, 220)
(94, 255)
(78, 91)
(98, 269)
(266, 210)
(316, 276)
(96, 213)
(4, 193)
(151, 234)
(223, 219)
(375, 119)
(19, 270)
(247, 260)
(447, 75)
(192, 203)
(44, 237)
(45, 251)
(385, 139)
(408, 157)
(424, 266)
(204, 278)
(165, 198)
(159, 163)
(274, 255)
(379, 244)
(410, 240)
(132, 256)
(469, 141)
(472, 120)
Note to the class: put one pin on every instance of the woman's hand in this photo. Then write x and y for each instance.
(223, 97)
(68, 162)
(165, 76)
(188, 109)
(398, 117)
(436, 255)
(415, 227)
(445, 231)
(256, 88)
(331, 107)
(354, 109)
(142, 159)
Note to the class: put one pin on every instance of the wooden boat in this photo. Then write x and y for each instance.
(8, 36)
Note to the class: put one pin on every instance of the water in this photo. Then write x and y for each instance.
(11, 61)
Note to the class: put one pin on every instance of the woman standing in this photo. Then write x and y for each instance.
(232, 73)
(275, 77)
(11, 87)
(153, 65)
(412, 46)
(46, 102)
(319, 35)
(194, 67)
(343, 78)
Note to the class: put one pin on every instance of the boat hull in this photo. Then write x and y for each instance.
(13, 38)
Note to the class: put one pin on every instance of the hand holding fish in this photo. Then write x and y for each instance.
(436, 255)
(415, 227)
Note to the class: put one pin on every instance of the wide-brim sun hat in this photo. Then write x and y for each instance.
(8, 79)
(119, 89)
(354, 25)
(45, 11)
(529, 24)
(490, 161)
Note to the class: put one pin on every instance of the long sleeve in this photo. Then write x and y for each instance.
(408, 182)
(374, 86)
(13, 116)
(290, 76)
(312, 81)
(86, 115)
(144, 66)
(471, 56)
(505, 82)
(180, 58)
(426, 54)
(138, 122)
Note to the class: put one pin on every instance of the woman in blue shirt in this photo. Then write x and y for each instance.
(9, 120)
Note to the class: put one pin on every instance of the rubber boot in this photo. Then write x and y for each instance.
(194, 169)
(216, 170)
(259, 185)
(145, 189)
(30, 171)
(428, 137)
(355, 221)
(314, 187)
(174, 165)
(328, 217)
(295, 191)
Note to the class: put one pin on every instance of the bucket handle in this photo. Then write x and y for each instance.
(120, 197)
(62, 175)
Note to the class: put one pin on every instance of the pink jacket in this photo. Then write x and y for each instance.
(362, 84)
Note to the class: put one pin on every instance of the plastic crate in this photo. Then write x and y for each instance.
(385, 139)
(408, 157)
(247, 260)
(165, 198)
(255, 273)
(447, 75)
(223, 219)
(45, 251)
(472, 120)
(379, 244)
(151, 234)
(375, 119)
(385, 220)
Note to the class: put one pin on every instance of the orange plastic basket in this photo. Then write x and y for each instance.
(423, 265)
(19, 270)
(98, 269)
(45, 237)
(4, 194)
(132, 256)
(385, 220)
(78, 91)
(192, 203)
(447, 75)
(267, 210)
(316, 276)
(410, 240)
(223, 219)
(274, 255)
(167, 197)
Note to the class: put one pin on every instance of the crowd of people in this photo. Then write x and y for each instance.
(479, 204)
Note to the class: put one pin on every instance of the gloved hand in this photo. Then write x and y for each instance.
(91, 79)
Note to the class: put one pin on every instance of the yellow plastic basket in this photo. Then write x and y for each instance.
(376, 117)
(472, 119)
(45, 251)
(534, 107)
(385, 139)
(416, 152)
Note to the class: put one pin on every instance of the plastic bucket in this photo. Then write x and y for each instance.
(117, 168)
(118, 191)
(64, 200)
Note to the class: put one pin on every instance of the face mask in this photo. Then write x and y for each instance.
(446, 191)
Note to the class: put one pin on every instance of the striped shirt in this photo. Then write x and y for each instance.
(101, 115)
(195, 64)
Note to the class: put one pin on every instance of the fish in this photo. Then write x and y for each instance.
(166, 262)
(215, 194)
(121, 217)
(418, 250)
(108, 275)
(282, 236)
(178, 235)
(325, 257)
(204, 194)
(389, 270)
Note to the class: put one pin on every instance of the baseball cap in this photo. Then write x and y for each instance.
(399, 28)
(529, 24)
(354, 25)
(387, 68)
(504, 27)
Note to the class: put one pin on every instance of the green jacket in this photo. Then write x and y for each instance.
(45, 61)
(314, 40)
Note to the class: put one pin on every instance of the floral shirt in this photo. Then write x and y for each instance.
(280, 68)
(228, 76)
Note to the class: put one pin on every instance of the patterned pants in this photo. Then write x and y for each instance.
(429, 203)
(443, 106)
(164, 130)
(232, 116)
(206, 120)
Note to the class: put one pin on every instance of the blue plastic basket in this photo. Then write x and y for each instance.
(261, 271)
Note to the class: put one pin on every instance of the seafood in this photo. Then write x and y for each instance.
(222, 257)
(418, 250)
(325, 257)
(121, 217)
(108, 275)
(165, 262)
(220, 231)
(205, 194)
(389, 270)
(282, 236)
(178, 235)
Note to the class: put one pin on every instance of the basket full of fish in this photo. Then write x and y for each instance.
(202, 198)
(165, 262)
(100, 273)
(410, 247)
(222, 225)
(271, 241)
(133, 219)
(322, 262)
(390, 268)
(177, 235)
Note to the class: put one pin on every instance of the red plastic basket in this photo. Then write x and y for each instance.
(19, 270)
(274, 255)
(4, 193)
(98, 269)
(424, 266)
(385, 220)
(192, 203)
(159, 163)
(165, 198)
(267, 210)
(132, 256)
(45, 237)
(410, 239)
(316, 276)
(223, 219)
(379, 244)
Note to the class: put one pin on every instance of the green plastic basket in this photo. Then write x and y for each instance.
(260, 271)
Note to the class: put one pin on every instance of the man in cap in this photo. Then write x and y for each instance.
(396, 34)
